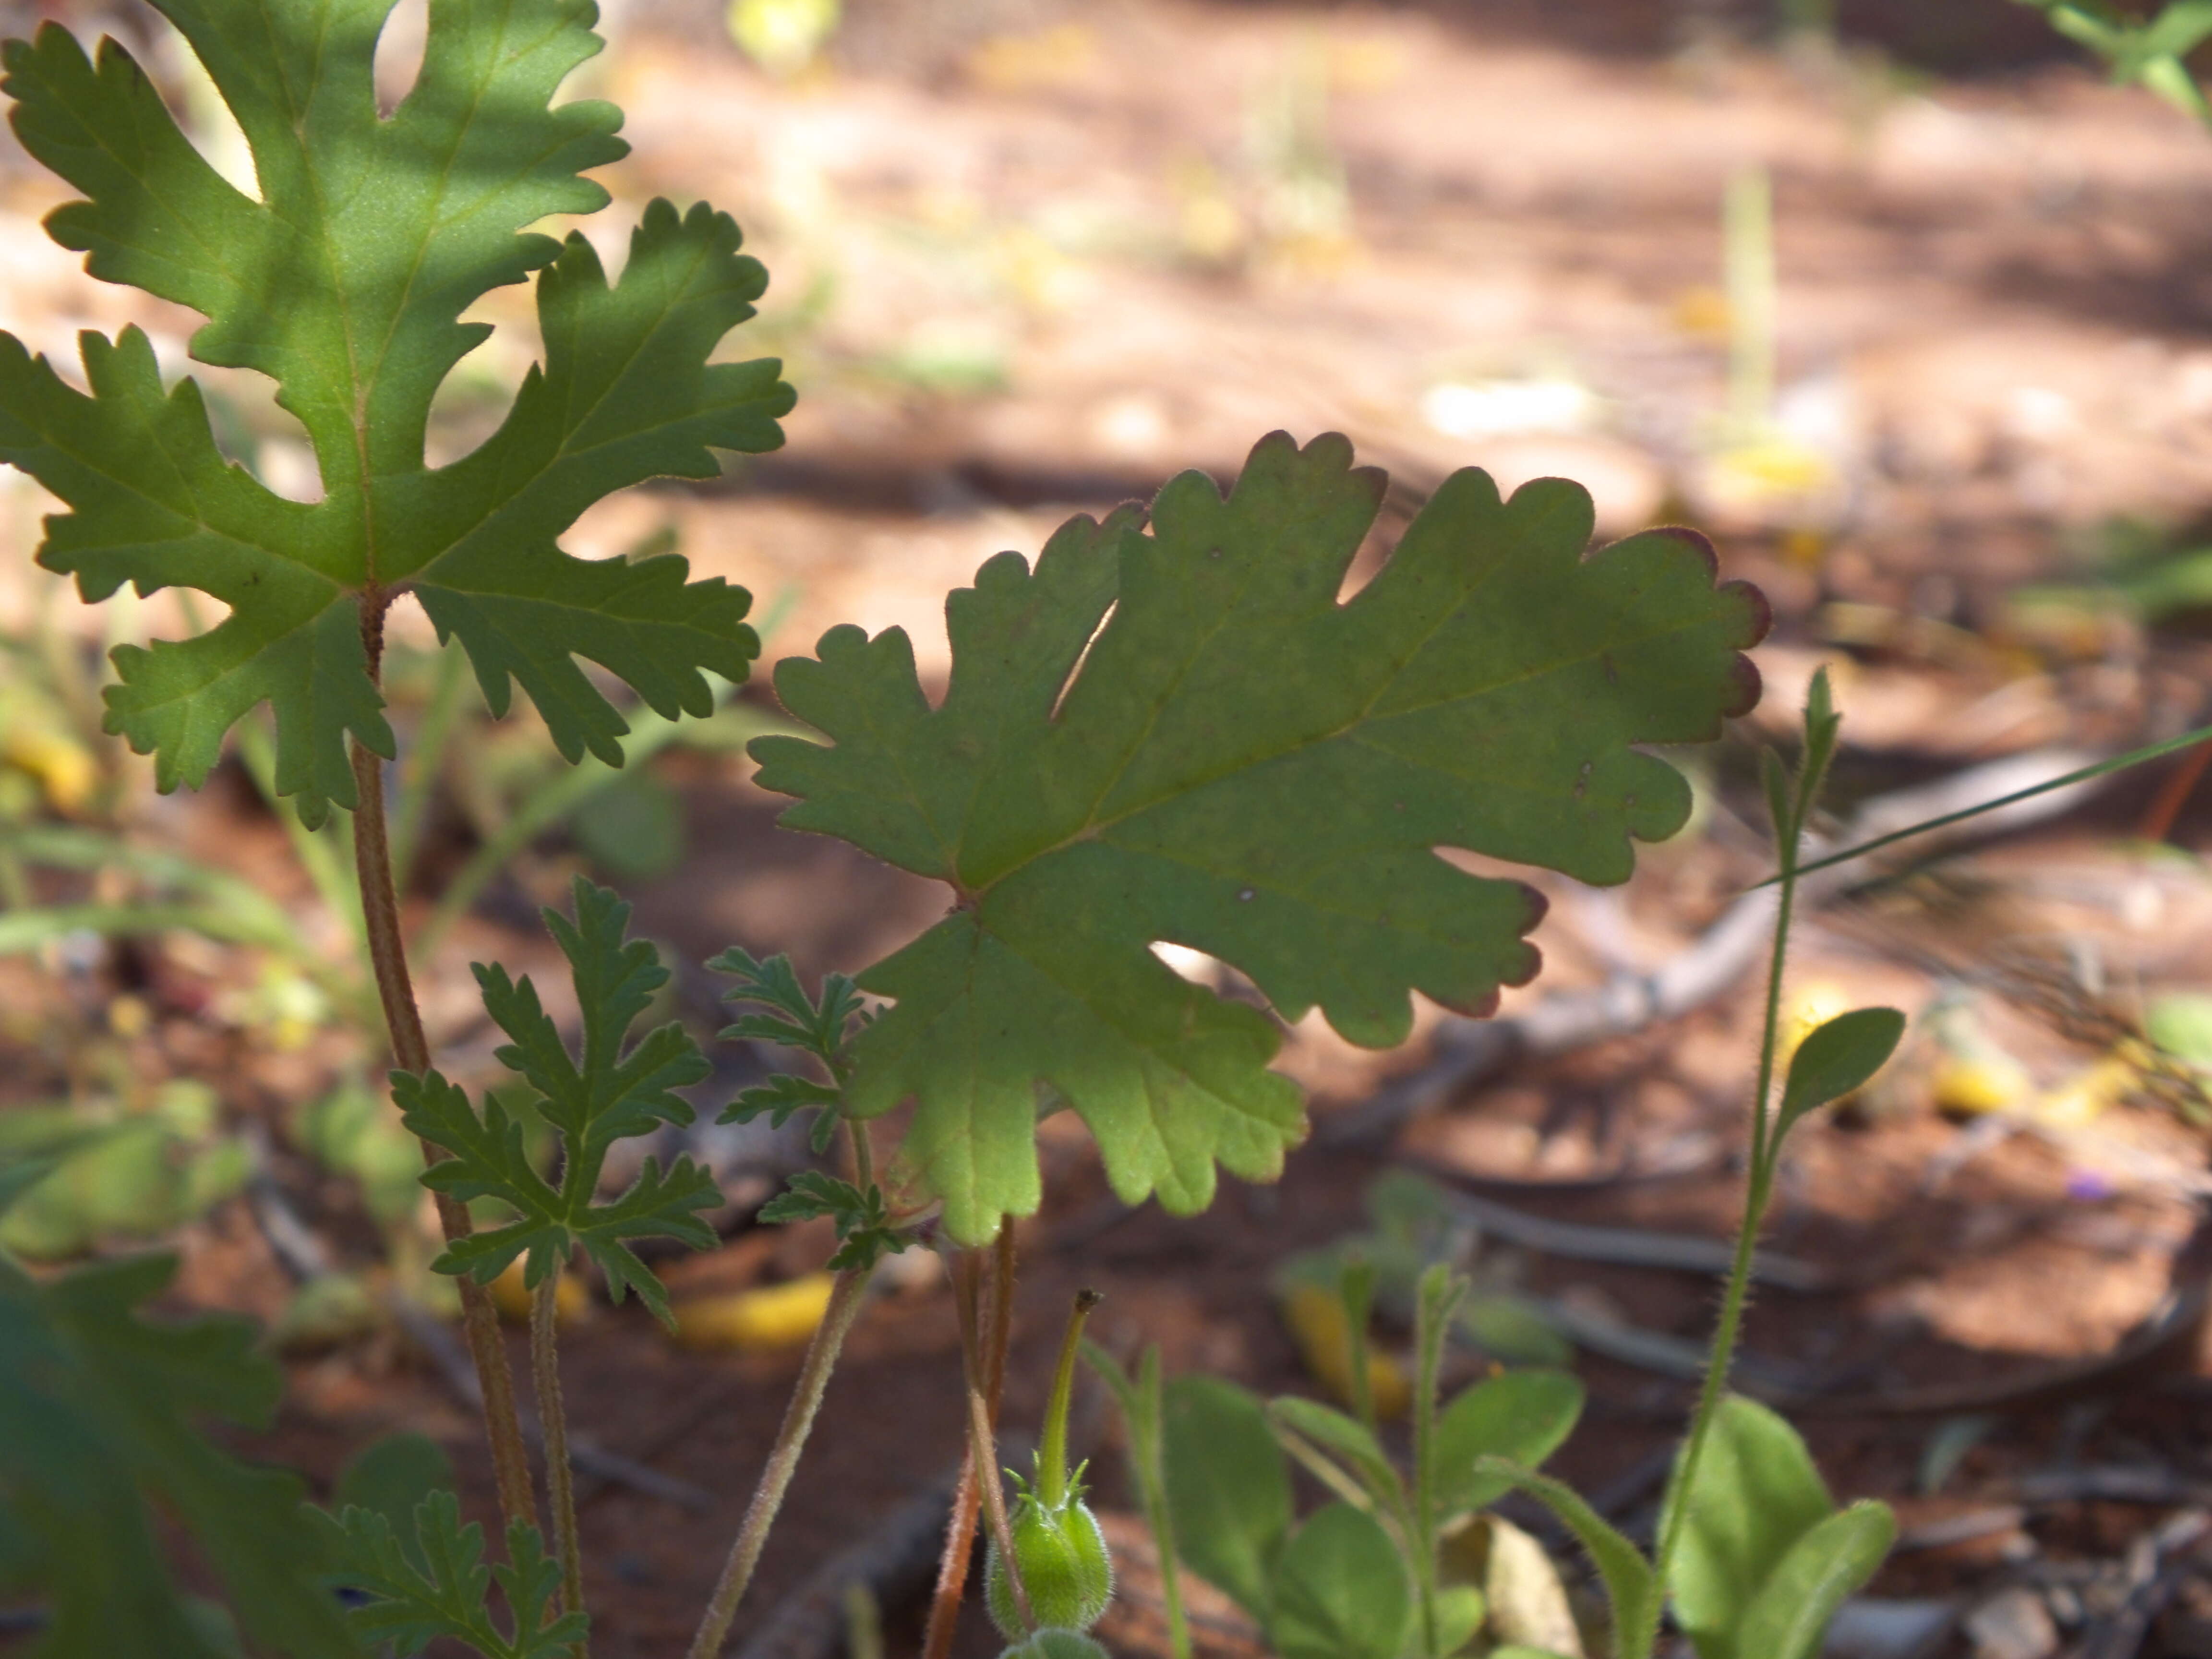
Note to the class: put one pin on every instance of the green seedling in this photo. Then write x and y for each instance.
(1373, 1573)
(1752, 1551)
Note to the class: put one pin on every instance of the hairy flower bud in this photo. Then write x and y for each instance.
(1059, 1555)
(1064, 1565)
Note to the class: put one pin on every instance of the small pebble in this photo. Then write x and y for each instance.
(2014, 1624)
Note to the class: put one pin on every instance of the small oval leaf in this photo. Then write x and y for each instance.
(1522, 1416)
(1790, 1616)
(1340, 1590)
(1837, 1058)
(1228, 1486)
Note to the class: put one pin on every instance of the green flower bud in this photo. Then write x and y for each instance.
(1064, 1564)
(1060, 1553)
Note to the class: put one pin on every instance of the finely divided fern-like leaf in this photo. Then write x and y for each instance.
(344, 282)
(1243, 765)
(614, 1090)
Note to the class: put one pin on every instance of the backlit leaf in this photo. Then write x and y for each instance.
(345, 284)
(1235, 762)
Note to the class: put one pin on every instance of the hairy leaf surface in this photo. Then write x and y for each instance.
(344, 282)
(1236, 763)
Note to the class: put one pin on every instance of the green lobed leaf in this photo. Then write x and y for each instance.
(1228, 1487)
(1091, 785)
(391, 1475)
(610, 1092)
(97, 1412)
(1757, 1494)
(820, 1026)
(345, 284)
(1522, 1416)
(1340, 1590)
(441, 1587)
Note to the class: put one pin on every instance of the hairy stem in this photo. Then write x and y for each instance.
(968, 1496)
(1733, 1300)
(982, 1443)
(553, 1420)
(845, 1298)
(411, 1052)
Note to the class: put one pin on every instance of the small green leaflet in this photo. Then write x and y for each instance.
(439, 1586)
(345, 284)
(865, 1233)
(787, 1016)
(1236, 763)
(614, 1091)
(96, 1410)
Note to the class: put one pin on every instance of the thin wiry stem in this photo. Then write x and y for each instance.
(968, 1495)
(983, 1443)
(411, 1052)
(1738, 1292)
(845, 1298)
(553, 1420)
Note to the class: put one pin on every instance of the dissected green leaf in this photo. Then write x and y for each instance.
(439, 1586)
(1340, 1590)
(391, 1475)
(1228, 1487)
(865, 1235)
(345, 284)
(1836, 1058)
(1756, 1494)
(610, 1092)
(1522, 1416)
(1789, 1618)
(783, 1013)
(97, 1408)
(1236, 763)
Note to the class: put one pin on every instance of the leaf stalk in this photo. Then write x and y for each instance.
(553, 1420)
(828, 1340)
(411, 1052)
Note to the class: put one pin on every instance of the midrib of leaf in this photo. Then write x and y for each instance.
(437, 222)
(1097, 827)
(1093, 827)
